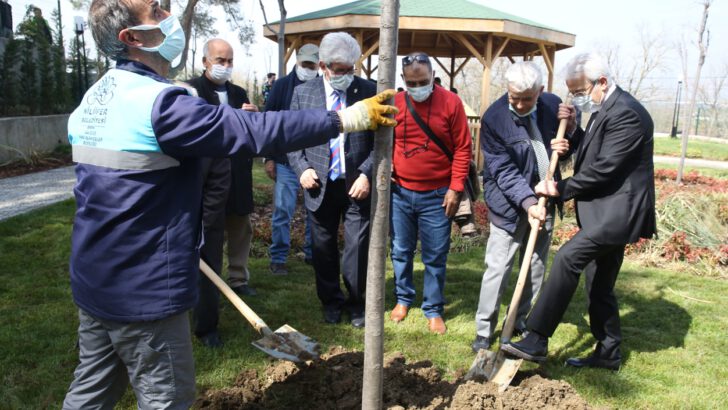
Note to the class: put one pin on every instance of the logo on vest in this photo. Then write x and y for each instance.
(104, 91)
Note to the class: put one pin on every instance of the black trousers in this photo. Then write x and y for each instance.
(206, 313)
(601, 264)
(335, 207)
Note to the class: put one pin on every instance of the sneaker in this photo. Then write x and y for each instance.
(244, 290)
(278, 269)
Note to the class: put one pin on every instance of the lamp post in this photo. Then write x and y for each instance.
(676, 111)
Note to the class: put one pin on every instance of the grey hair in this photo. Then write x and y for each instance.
(524, 76)
(107, 18)
(590, 65)
(339, 47)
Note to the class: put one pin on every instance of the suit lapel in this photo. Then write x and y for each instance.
(595, 121)
(353, 93)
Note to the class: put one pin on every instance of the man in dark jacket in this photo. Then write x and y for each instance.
(138, 142)
(614, 189)
(278, 169)
(226, 181)
(515, 137)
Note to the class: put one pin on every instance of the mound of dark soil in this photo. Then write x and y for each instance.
(335, 382)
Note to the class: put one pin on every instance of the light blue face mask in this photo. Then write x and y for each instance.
(420, 94)
(585, 103)
(513, 109)
(174, 38)
(341, 82)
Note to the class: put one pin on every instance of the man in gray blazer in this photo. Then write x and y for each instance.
(336, 180)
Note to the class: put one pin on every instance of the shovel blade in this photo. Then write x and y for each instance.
(286, 343)
(498, 368)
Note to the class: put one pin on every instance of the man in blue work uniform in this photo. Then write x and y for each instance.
(139, 141)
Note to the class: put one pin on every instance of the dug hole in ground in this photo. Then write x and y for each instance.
(335, 382)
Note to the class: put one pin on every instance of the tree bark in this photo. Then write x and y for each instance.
(703, 49)
(282, 40)
(186, 22)
(378, 243)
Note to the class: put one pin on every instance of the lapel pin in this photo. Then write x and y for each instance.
(356, 90)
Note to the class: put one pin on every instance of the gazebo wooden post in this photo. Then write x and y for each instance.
(484, 93)
(452, 69)
(360, 40)
(552, 56)
(369, 67)
(295, 42)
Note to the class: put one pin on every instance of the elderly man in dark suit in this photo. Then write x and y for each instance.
(614, 190)
(336, 178)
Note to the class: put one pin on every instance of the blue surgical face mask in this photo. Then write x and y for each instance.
(174, 38)
(304, 74)
(513, 109)
(585, 103)
(341, 82)
(422, 93)
(220, 73)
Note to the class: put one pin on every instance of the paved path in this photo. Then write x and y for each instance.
(21, 194)
(692, 162)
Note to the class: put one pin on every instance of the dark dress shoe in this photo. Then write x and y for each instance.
(357, 320)
(594, 361)
(245, 290)
(211, 340)
(332, 316)
(480, 343)
(278, 269)
(533, 348)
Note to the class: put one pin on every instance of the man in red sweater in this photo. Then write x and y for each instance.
(428, 183)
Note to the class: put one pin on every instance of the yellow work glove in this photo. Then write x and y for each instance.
(368, 114)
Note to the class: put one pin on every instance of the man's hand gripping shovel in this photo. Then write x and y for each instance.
(285, 343)
(500, 368)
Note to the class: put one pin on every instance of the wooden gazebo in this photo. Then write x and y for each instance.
(442, 28)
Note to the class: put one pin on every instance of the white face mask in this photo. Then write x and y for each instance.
(304, 74)
(220, 74)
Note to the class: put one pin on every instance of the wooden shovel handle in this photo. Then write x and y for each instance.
(528, 254)
(253, 318)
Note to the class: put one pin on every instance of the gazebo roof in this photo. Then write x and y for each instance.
(434, 26)
(454, 9)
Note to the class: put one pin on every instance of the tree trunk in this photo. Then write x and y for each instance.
(186, 22)
(703, 48)
(378, 243)
(282, 40)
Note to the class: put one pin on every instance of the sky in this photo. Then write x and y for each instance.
(592, 21)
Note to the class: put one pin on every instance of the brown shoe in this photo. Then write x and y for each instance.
(437, 325)
(398, 313)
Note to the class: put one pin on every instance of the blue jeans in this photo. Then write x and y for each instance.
(422, 211)
(286, 191)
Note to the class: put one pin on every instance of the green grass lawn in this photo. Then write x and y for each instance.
(696, 149)
(675, 346)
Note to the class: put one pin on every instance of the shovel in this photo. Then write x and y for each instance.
(500, 368)
(285, 343)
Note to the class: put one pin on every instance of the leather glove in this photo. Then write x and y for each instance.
(369, 114)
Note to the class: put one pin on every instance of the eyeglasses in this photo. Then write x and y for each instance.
(416, 150)
(420, 58)
(583, 93)
(341, 71)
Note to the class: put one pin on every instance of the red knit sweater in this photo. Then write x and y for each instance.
(430, 169)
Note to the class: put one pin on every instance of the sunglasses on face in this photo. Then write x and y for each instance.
(420, 58)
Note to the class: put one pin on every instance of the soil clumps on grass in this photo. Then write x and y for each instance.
(335, 382)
